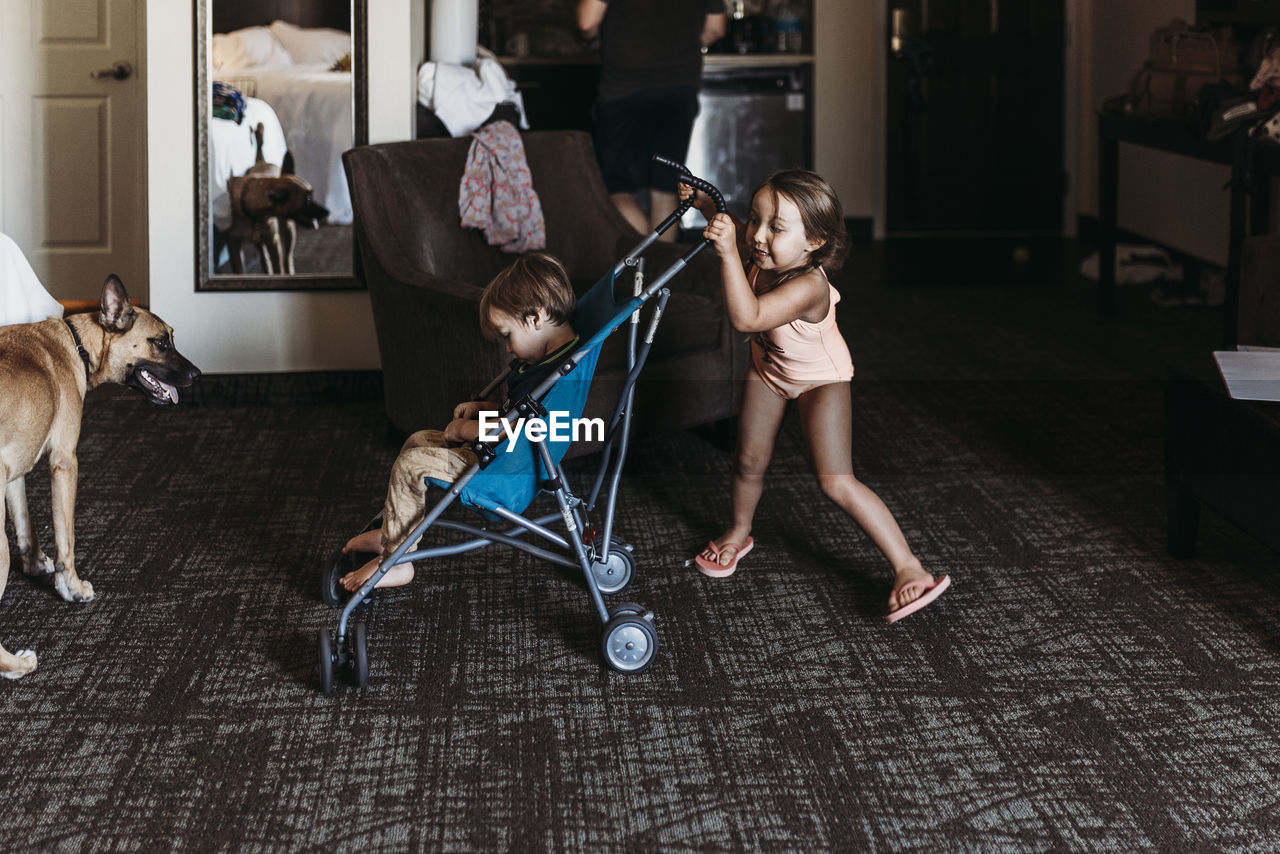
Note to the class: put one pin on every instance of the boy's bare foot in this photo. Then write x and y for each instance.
(397, 576)
(369, 541)
(904, 576)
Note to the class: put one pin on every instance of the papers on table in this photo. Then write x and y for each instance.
(1251, 373)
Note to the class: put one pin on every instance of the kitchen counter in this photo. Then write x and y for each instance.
(559, 92)
(710, 60)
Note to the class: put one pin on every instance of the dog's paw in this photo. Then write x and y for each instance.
(72, 588)
(40, 566)
(18, 665)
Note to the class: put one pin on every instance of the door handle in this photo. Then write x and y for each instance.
(119, 70)
(901, 30)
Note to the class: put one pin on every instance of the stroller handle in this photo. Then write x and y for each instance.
(697, 183)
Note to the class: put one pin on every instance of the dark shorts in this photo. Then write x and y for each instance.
(630, 130)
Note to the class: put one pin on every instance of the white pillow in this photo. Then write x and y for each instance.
(228, 52)
(312, 46)
(251, 47)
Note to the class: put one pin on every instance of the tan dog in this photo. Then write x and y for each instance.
(267, 202)
(45, 370)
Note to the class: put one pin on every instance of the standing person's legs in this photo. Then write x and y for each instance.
(827, 419)
(661, 204)
(671, 119)
(631, 211)
(758, 425)
(616, 125)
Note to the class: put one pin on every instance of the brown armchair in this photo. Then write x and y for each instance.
(425, 274)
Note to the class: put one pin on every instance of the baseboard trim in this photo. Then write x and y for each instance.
(289, 388)
(861, 229)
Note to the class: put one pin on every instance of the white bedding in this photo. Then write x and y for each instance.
(314, 106)
(233, 149)
(22, 298)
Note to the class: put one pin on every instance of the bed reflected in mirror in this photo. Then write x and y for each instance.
(281, 93)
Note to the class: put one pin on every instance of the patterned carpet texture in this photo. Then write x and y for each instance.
(1075, 690)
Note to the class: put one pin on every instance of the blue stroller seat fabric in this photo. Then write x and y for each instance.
(511, 480)
(511, 472)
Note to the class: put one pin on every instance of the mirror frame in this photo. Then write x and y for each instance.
(205, 280)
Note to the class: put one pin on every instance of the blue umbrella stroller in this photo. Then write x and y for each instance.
(510, 473)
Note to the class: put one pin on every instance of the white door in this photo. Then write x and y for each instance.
(72, 144)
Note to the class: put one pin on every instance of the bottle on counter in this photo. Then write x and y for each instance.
(787, 27)
(739, 36)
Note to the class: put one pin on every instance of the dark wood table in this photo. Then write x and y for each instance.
(1251, 164)
(1220, 453)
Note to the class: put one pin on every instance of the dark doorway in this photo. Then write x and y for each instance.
(975, 126)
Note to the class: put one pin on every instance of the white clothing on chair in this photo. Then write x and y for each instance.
(22, 298)
(463, 97)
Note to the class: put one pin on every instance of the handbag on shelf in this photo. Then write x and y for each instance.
(1181, 61)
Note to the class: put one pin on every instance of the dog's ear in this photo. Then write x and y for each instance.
(286, 167)
(116, 312)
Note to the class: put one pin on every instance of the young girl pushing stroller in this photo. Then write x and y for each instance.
(793, 234)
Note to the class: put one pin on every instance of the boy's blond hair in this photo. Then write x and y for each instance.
(534, 281)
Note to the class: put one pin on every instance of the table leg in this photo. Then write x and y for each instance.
(1108, 179)
(1243, 187)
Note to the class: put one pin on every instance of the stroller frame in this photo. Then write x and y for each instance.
(629, 639)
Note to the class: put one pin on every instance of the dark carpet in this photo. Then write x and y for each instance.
(1075, 690)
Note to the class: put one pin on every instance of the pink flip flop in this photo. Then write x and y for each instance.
(933, 591)
(715, 570)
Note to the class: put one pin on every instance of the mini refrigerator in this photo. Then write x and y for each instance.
(752, 121)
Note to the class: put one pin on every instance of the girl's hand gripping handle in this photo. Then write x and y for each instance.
(688, 178)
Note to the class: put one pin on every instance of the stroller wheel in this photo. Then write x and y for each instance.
(630, 641)
(360, 657)
(326, 661)
(613, 575)
(333, 593)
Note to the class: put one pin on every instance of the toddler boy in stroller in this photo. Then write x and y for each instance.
(528, 307)
(505, 467)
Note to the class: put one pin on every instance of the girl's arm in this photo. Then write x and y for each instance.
(797, 298)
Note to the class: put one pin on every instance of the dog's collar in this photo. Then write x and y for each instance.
(84, 354)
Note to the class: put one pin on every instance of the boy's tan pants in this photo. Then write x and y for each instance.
(424, 454)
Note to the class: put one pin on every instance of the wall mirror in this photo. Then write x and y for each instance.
(281, 92)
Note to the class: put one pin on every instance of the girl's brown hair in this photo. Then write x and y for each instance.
(534, 281)
(820, 213)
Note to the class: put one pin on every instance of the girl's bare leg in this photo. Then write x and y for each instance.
(397, 576)
(826, 414)
(758, 426)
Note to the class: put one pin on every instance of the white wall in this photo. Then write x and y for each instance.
(255, 332)
(848, 102)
